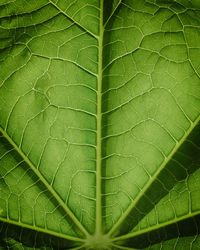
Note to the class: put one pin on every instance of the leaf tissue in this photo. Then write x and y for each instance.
(99, 124)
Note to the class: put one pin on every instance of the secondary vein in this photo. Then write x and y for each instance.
(73, 20)
(44, 181)
(42, 230)
(167, 159)
(155, 227)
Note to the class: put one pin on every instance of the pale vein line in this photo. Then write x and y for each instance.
(156, 227)
(39, 229)
(43, 180)
(167, 159)
(65, 60)
(99, 127)
(73, 20)
(113, 12)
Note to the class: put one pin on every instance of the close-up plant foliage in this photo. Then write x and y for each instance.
(99, 124)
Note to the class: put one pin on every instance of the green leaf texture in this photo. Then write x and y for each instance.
(99, 124)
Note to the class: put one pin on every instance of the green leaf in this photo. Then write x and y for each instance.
(99, 124)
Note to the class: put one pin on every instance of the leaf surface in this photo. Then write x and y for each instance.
(99, 124)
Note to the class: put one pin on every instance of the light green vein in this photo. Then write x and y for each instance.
(73, 20)
(141, 194)
(43, 180)
(99, 127)
(113, 12)
(42, 230)
(156, 227)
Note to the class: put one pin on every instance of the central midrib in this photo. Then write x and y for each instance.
(98, 229)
